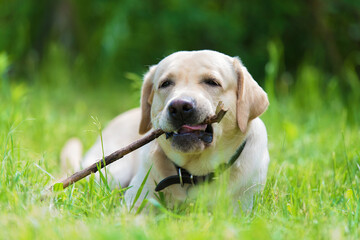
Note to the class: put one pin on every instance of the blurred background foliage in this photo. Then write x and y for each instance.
(63, 61)
(312, 44)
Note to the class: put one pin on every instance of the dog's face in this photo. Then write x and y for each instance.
(185, 88)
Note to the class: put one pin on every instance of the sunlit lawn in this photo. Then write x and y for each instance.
(312, 189)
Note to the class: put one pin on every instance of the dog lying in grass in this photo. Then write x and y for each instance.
(177, 95)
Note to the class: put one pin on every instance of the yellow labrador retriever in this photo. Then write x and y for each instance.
(177, 95)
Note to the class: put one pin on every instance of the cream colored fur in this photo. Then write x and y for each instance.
(239, 92)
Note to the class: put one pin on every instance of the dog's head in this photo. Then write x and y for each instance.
(185, 88)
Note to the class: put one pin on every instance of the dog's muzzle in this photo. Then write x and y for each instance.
(185, 118)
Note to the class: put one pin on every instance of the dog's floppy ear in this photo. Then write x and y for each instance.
(147, 94)
(252, 100)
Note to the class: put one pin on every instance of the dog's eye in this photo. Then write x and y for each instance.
(166, 83)
(212, 82)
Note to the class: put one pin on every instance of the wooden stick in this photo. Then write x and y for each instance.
(220, 112)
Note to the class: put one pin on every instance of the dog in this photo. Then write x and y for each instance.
(177, 95)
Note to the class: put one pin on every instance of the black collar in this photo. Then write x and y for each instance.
(183, 176)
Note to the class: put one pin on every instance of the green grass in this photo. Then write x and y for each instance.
(312, 191)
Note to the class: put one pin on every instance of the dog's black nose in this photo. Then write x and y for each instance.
(181, 109)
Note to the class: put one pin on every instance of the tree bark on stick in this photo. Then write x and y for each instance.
(220, 112)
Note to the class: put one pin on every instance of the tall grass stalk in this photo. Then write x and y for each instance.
(312, 189)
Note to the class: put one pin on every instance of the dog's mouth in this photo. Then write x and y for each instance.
(203, 132)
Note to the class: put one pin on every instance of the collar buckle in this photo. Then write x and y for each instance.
(183, 176)
(192, 179)
(180, 177)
